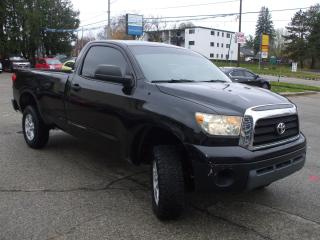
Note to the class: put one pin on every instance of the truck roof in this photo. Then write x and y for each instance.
(135, 43)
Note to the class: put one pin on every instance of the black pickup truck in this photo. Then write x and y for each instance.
(168, 107)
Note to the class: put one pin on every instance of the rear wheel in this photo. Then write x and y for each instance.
(35, 132)
(167, 182)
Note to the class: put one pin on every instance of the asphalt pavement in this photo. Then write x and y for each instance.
(74, 190)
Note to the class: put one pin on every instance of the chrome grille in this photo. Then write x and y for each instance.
(259, 125)
(265, 131)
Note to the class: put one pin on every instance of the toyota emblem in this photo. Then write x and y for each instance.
(281, 128)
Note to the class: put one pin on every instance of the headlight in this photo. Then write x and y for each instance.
(219, 124)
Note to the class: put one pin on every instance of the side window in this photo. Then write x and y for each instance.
(236, 73)
(248, 74)
(102, 55)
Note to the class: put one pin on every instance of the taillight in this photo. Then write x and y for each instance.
(14, 77)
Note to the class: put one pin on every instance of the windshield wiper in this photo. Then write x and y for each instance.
(214, 80)
(173, 81)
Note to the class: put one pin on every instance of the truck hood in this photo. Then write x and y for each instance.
(223, 98)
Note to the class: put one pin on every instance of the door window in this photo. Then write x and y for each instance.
(237, 73)
(102, 55)
(249, 74)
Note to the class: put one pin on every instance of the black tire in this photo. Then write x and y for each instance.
(40, 130)
(171, 192)
(265, 86)
(263, 187)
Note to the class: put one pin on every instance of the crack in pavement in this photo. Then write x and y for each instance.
(207, 212)
(86, 189)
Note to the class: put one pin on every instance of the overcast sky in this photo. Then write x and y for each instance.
(92, 11)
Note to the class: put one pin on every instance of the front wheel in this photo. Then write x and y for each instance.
(265, 86)
(35, 132)
(167, 182)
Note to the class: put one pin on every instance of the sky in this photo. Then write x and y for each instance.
(93, 11)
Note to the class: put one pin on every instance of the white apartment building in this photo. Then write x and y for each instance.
(212, 43)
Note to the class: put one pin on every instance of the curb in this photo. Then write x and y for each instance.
(292, 94)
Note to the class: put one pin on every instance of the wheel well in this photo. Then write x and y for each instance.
(26, 99)
(142, 147)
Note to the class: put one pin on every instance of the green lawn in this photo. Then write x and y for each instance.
(276, 70)
(289, 87)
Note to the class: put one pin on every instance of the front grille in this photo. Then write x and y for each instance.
(265, 131)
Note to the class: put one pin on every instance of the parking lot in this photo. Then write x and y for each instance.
(75, 190)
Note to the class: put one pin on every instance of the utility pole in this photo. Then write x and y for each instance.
(109, 24)
(238, 63)
(82, 38)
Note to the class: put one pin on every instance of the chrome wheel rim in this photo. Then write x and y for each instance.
(29, 127)
(155, 183)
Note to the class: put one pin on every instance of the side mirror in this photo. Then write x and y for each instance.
(256, 76)
(112, 73)
(71, 65)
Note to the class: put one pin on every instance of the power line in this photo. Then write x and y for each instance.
(198, 17)
(226, 14)
(89, 24)
(196, 5)
(88, 19)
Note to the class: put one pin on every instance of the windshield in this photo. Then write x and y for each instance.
(177, 64)
(53, 61)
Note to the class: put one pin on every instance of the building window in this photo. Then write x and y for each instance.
(212, 32)
(191, 31)
(217, 44)
(223, 34)
(221, 56)
(217, 55)
(212, 44)
(191, 43)
(227, 45)
(228, 35)
(221, 44)
(218, 34)
(211, 55)
(227, 56)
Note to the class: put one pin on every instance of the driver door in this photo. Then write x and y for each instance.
(95, 107)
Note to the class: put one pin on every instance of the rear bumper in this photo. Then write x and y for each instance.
(237, 169)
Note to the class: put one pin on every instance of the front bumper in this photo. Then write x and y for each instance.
(235, 168)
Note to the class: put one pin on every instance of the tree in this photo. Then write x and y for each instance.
(313, 36)
(278, 44)
(296, 40)
(154, 27)
(264, 26)
(23, 24)
(185, 25)
(249, 42)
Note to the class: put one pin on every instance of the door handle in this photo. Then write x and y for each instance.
(76, 87)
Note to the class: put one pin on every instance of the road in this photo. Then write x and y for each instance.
(73, 190)
(293, 80)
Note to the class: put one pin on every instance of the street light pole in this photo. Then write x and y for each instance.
(109, 24)
(240, 15)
